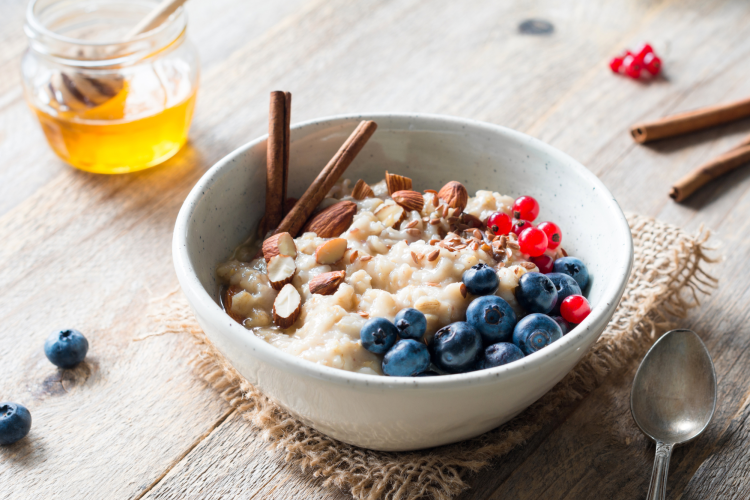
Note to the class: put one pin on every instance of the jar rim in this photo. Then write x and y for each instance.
(43, 40)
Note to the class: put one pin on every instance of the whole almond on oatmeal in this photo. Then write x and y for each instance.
(332, 221)
(455, 195)
(287, 306)
(396, 182)
(331, 251)
(279, 244)
(410, 200)
(362, 190)
(390, 214)
(280, 270)
(326, 283)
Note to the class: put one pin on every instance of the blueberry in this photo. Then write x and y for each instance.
(411, 324)
(407, 358)
(378, 335)
(493, 318)
(481, 280)
(566, 285)
(536, 293)
(456, 347)
(15, 422)
(534, 332)
(500, 354)
(564, 325)
(573, 267)
(66, 348)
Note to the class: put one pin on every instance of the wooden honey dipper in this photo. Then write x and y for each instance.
(79, 92)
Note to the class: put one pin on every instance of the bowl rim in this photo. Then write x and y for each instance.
(205, 305)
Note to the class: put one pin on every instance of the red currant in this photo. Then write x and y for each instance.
(644, 50)
(544, 262)
(652, 63)
(532, 241)
(525, 208)
(615, 64)
(499, 223)
(575, 308)
(632, 66)
(554, 235)
(520, 225)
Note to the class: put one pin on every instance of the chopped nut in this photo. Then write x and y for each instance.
(327, 283)
(331, 251)
(396, 182)
(280, 271)
(287, 306)
(362, 190)
(390, 215)
(279, 244)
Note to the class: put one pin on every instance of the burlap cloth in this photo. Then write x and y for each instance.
(668, 276)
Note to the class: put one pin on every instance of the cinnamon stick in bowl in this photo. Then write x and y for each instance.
(709, 171)
(691, 121)
(301, 211)
(277, 159)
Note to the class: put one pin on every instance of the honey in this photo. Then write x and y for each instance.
(108, 139)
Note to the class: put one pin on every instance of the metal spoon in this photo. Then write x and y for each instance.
(673, 398)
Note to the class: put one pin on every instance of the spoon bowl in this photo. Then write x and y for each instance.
(673, 397)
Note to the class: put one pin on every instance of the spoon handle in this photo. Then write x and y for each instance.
(657, 490)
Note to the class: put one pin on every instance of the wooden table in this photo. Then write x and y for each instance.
(90, 252)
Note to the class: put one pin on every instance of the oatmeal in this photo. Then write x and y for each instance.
(409, 250)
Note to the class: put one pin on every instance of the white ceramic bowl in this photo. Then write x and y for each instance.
(386, 413)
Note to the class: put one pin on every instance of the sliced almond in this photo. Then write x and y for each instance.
(226, 299)
(410, 200)
(331, 251)
(396, 183)
(390, 215)
(327, 283)
(280, 271)
(279, 244)
(287, 306)
(455, 195)
(362, 190)
(332, 221)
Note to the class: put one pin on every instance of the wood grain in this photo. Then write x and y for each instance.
(91, 251)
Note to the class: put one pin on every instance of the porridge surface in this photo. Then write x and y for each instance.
(390, 271)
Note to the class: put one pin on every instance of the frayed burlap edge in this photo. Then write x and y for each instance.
(668, 277)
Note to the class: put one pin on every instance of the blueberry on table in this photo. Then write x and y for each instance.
(481, 279)
(564, 325)
(455, 348)
(536, 293)
(66, 348)
(15, 422)
(408, 358)
(534, 332)
(500, 354)
(493, 318)
(566, 286)
(573, 266)
(411, 324)
(378, 335)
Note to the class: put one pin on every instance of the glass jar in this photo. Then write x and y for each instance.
(108, 105)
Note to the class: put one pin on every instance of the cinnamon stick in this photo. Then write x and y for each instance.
(691, 121)
(277, 158)
(711, 170)
(302, 210)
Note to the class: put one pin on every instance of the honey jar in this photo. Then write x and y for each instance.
(109, 103)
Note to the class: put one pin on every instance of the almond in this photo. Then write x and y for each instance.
(226, 299)
(280, 270)
(331, 251)
(396, 182)
(332, 221)
(454, 194)
(362, 190)
(279, 244)
(287, 306)
(390, 214)
(327, 283)
(410, 200)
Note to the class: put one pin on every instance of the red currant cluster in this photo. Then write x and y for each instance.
(633, 64)
(534, 241)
